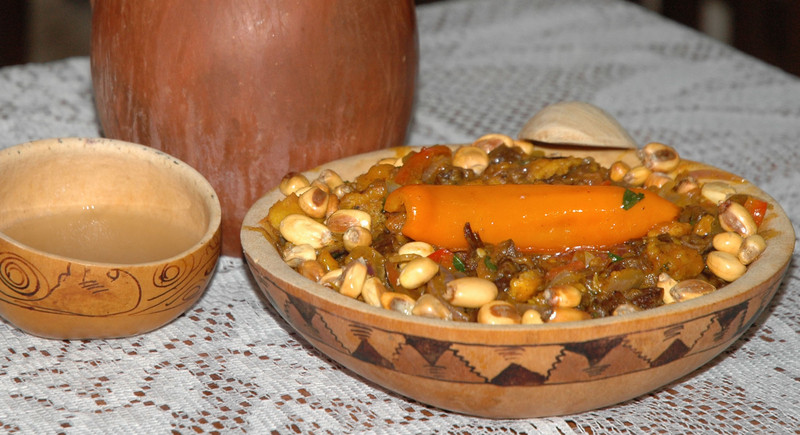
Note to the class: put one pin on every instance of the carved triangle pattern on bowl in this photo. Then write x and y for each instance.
(553, 363)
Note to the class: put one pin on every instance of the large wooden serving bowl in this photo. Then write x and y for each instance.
(521, 370)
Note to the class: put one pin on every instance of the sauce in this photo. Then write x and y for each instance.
(108, 235)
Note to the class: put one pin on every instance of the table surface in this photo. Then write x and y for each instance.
(231, 364)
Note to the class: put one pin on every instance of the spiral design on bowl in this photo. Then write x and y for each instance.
(182, 281)
(20, 279)
(169, 274)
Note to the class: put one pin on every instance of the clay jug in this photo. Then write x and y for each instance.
(247, 90)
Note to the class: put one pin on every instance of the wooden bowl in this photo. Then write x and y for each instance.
(521, 370)
(90, 190)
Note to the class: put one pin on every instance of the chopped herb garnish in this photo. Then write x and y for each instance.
(614, 257)
(458, 264)
(630, 198)
(488, 262)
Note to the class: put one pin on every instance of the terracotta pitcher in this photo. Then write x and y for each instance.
(246, 90)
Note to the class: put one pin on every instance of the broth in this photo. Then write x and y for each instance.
(108, 235)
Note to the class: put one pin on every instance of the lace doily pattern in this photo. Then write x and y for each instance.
(231, 364)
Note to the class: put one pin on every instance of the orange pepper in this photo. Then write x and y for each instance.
(757, 209)
(537, 217)
(444, 257)
(417, 162)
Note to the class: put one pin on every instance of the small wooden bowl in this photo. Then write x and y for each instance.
(521, 370)
(58, 296)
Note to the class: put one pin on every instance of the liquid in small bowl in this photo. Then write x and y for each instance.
(105, 235)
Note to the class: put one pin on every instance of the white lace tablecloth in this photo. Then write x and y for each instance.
(232, 365)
